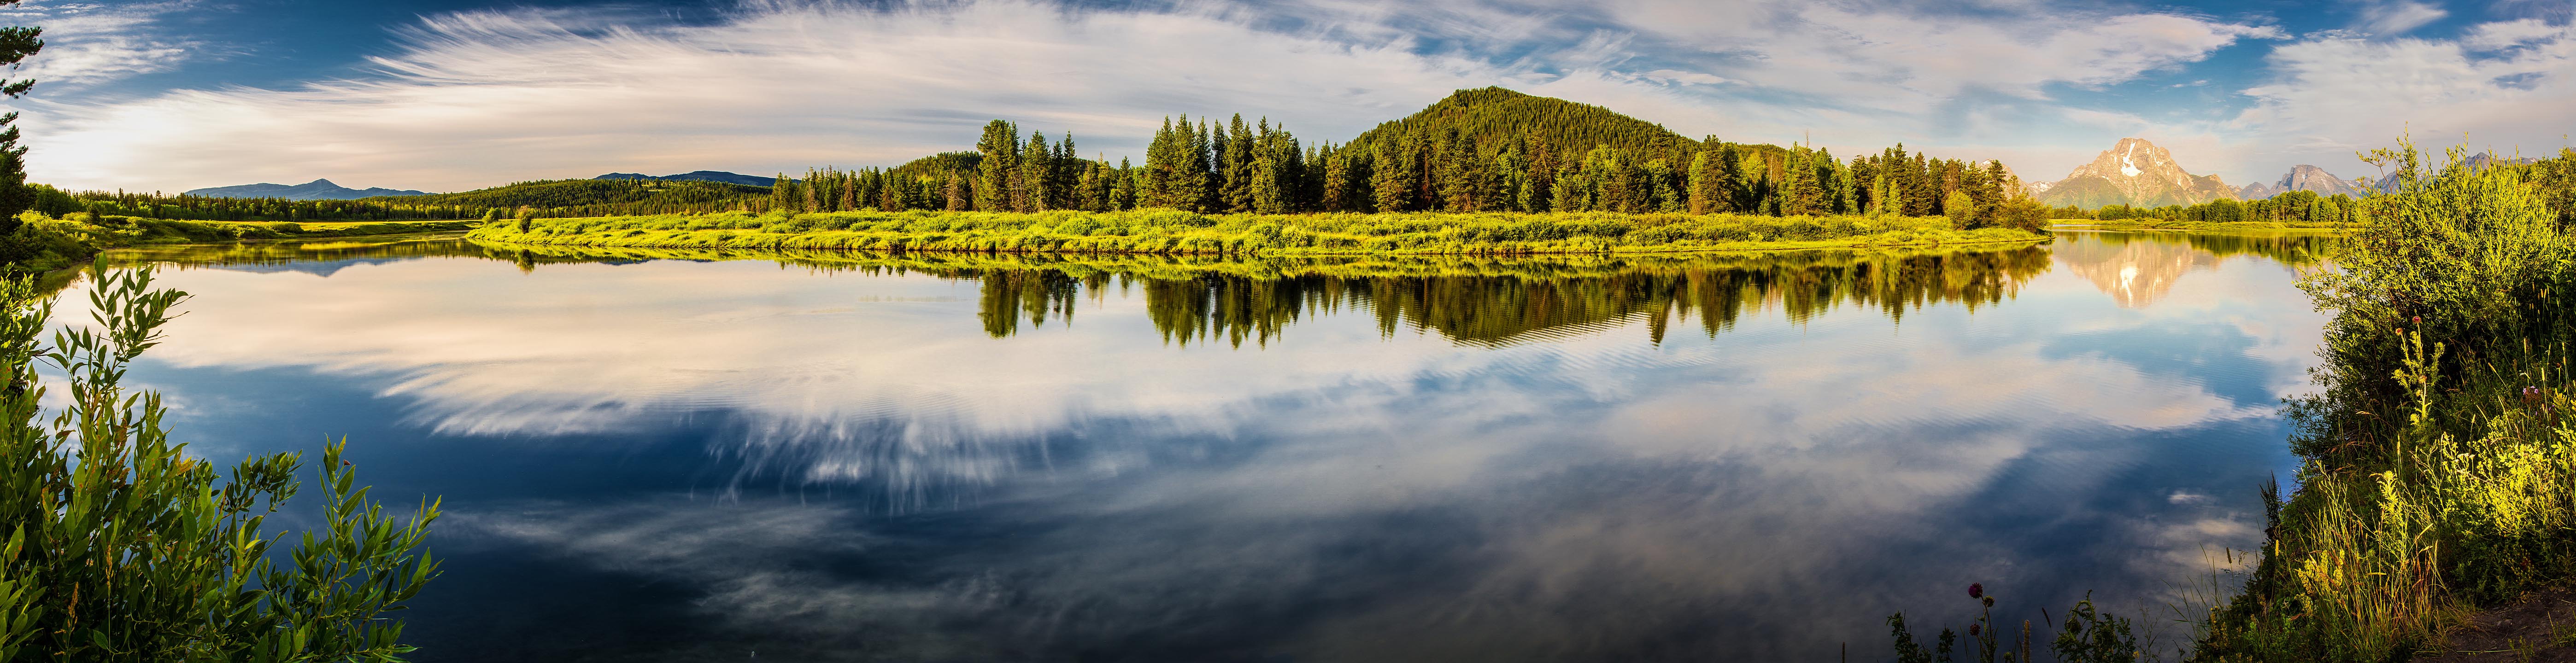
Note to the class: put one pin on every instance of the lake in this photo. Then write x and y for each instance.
(682, 456)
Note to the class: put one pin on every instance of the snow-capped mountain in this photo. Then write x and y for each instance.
(2135, 173)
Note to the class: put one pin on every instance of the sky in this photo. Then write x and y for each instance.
(451, 95)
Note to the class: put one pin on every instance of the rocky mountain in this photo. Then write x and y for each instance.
(696, 176)
(2305, 177)
(314, 190)
(2134, 173)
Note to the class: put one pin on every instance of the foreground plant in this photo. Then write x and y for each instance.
(2439, 475)
(121, 547)
(2086, 635)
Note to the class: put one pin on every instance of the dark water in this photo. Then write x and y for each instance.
(696, 456)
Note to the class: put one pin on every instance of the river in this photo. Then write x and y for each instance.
(680, 456)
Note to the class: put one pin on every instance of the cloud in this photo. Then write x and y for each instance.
(473, 99)
(477, 98)
(88, 43)
(2397, 17)
(2503, 85)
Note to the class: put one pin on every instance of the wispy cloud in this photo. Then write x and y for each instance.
(92, 42)
(2397, 17)
(477, 98)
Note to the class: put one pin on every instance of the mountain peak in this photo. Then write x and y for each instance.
(2136, 173)
(319, 182)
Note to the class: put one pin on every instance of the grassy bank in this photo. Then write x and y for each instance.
(42, 244)
(2440, 463)
(1165, 232)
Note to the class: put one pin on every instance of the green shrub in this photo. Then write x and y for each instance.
(124, 548)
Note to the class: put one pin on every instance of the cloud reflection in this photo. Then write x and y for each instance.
(1088, 484)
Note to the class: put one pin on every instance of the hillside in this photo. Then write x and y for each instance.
(1494, 114)
(314, 190)
(936, 164)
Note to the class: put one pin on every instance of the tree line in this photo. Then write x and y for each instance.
(1235, 166)
(2291, 207)
(56, 202)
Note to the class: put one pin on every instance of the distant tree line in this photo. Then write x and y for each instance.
(2291, 207)
(546, 198)
(56, 202)
(1255, 167)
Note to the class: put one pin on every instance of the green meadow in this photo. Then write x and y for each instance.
(1167, 232)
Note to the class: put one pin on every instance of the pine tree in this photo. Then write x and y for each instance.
(1569, 191)
(1122, 187)
(1707, 186)
(1394, 174)
(1446, 172)
(994, 175)
(1037, 166)
(1236, 146)
(1539, 194)
(16, 44)
(782, 194)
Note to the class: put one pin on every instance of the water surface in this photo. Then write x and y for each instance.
(679, 456)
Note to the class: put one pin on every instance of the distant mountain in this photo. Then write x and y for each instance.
(696, 176)
(2138, 174)
(314, 190)
(600, 196)
(2476, 161)
(2305, 177)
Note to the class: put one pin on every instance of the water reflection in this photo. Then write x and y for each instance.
(2138, 268)
(659, 455)
(1483, 302)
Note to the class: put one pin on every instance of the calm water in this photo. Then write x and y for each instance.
(831, 456)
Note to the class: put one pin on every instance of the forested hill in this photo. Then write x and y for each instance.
(1493, 115)
(596, 197)
(939, 164)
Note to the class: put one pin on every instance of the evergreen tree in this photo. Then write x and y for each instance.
(1569, 190)
(1037, 173)
(1394, 175)
(1122, 189)
(1205, 193)
(995, 174)
(782, 194)
(16, 44)
(1455, 172)
(1235, 147)
(1539, 193)
(1664, 186)
(1707, 184)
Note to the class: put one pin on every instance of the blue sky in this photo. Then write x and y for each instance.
(459, 94)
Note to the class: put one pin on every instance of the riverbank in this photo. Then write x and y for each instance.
(43, 244)
(1166, 232)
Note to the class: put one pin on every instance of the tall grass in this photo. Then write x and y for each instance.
(1172, 232)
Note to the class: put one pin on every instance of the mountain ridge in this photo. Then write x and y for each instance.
(696, 176)
(318, 189)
